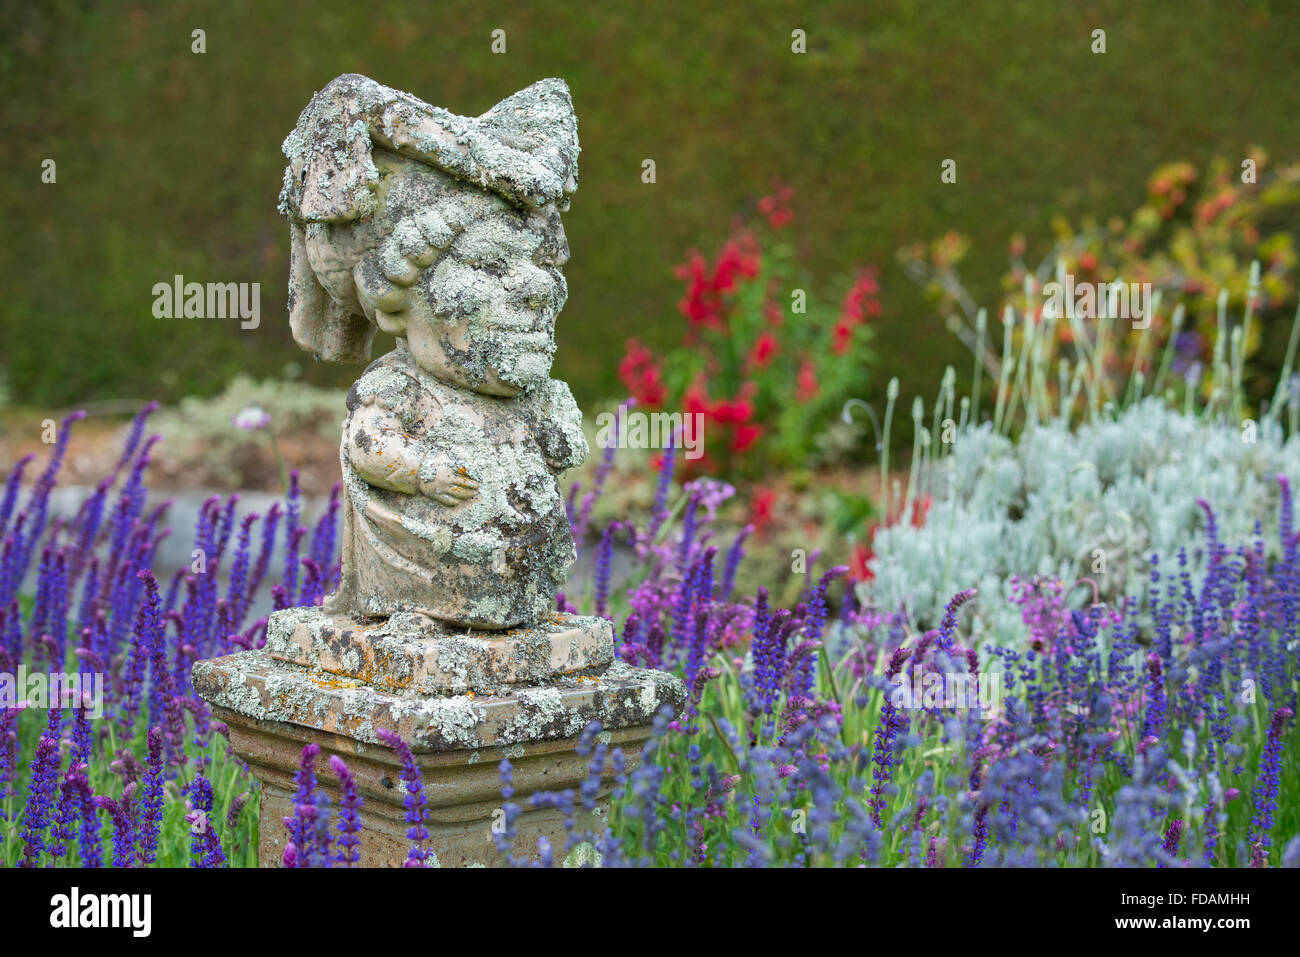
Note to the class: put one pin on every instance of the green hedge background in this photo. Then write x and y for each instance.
(168, 161)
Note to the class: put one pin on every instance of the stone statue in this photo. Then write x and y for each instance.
(446, 232)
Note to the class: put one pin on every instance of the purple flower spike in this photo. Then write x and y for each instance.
(1172, 836)
(152, 798)
(1266, 789)
(205, 844)
(948, 628)
(414, 801)
(302, 825)
(349, 827)
(604, 561)
(40, 799)
(893, 721)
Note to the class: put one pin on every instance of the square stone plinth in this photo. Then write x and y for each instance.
(254, 684)
(412, 653)
(273, 707)
(462, 788)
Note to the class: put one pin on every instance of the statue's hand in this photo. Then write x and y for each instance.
(445, 483)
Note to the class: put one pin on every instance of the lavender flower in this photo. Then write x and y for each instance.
(659, 511)
(893, 721)
(1266, 789)
(8, 754)
(205, 845)
(123, 826)
(294, 533)
(1172, 836)
(816, 621)
(948, 629)
(349, 826)
(302, 825)
(414, 801)
(600, 476)
(147, 638)
(734, 555)
(604, 560)
(40, 798)
(152, 800)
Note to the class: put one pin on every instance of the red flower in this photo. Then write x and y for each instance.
(746, 435)
(640, 375)
(860, 564)
(734, 413)
(696, 401)
(739, 259)
(841, 337)
(806, 387)
(737, 410)
(776, 207)
(698, 305)
(764, 349)
(921, 510)
(859, 303)
(760, 510)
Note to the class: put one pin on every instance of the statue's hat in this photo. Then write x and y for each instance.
(525, 148)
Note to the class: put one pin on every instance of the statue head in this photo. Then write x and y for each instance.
(442, 230)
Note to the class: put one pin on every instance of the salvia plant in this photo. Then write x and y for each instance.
(1007, 705)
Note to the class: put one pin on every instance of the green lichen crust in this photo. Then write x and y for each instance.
(255, 685)
(525, 148)
(445, 232)
(492, 560)
(412, 655)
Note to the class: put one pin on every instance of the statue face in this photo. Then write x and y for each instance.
(477, 311)
(483, 316)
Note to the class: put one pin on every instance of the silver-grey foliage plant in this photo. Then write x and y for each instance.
(1093, 502)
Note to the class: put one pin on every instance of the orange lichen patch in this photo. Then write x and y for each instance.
(390, 682)
(330, 684)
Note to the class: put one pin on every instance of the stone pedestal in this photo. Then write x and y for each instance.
(462, 700)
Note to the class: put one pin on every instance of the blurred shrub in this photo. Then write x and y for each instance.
(1192, 238)
(232, 439)
(765, 363)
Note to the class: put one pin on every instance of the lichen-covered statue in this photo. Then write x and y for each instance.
(445, 232)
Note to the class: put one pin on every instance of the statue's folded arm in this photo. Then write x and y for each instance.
(382, 452)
